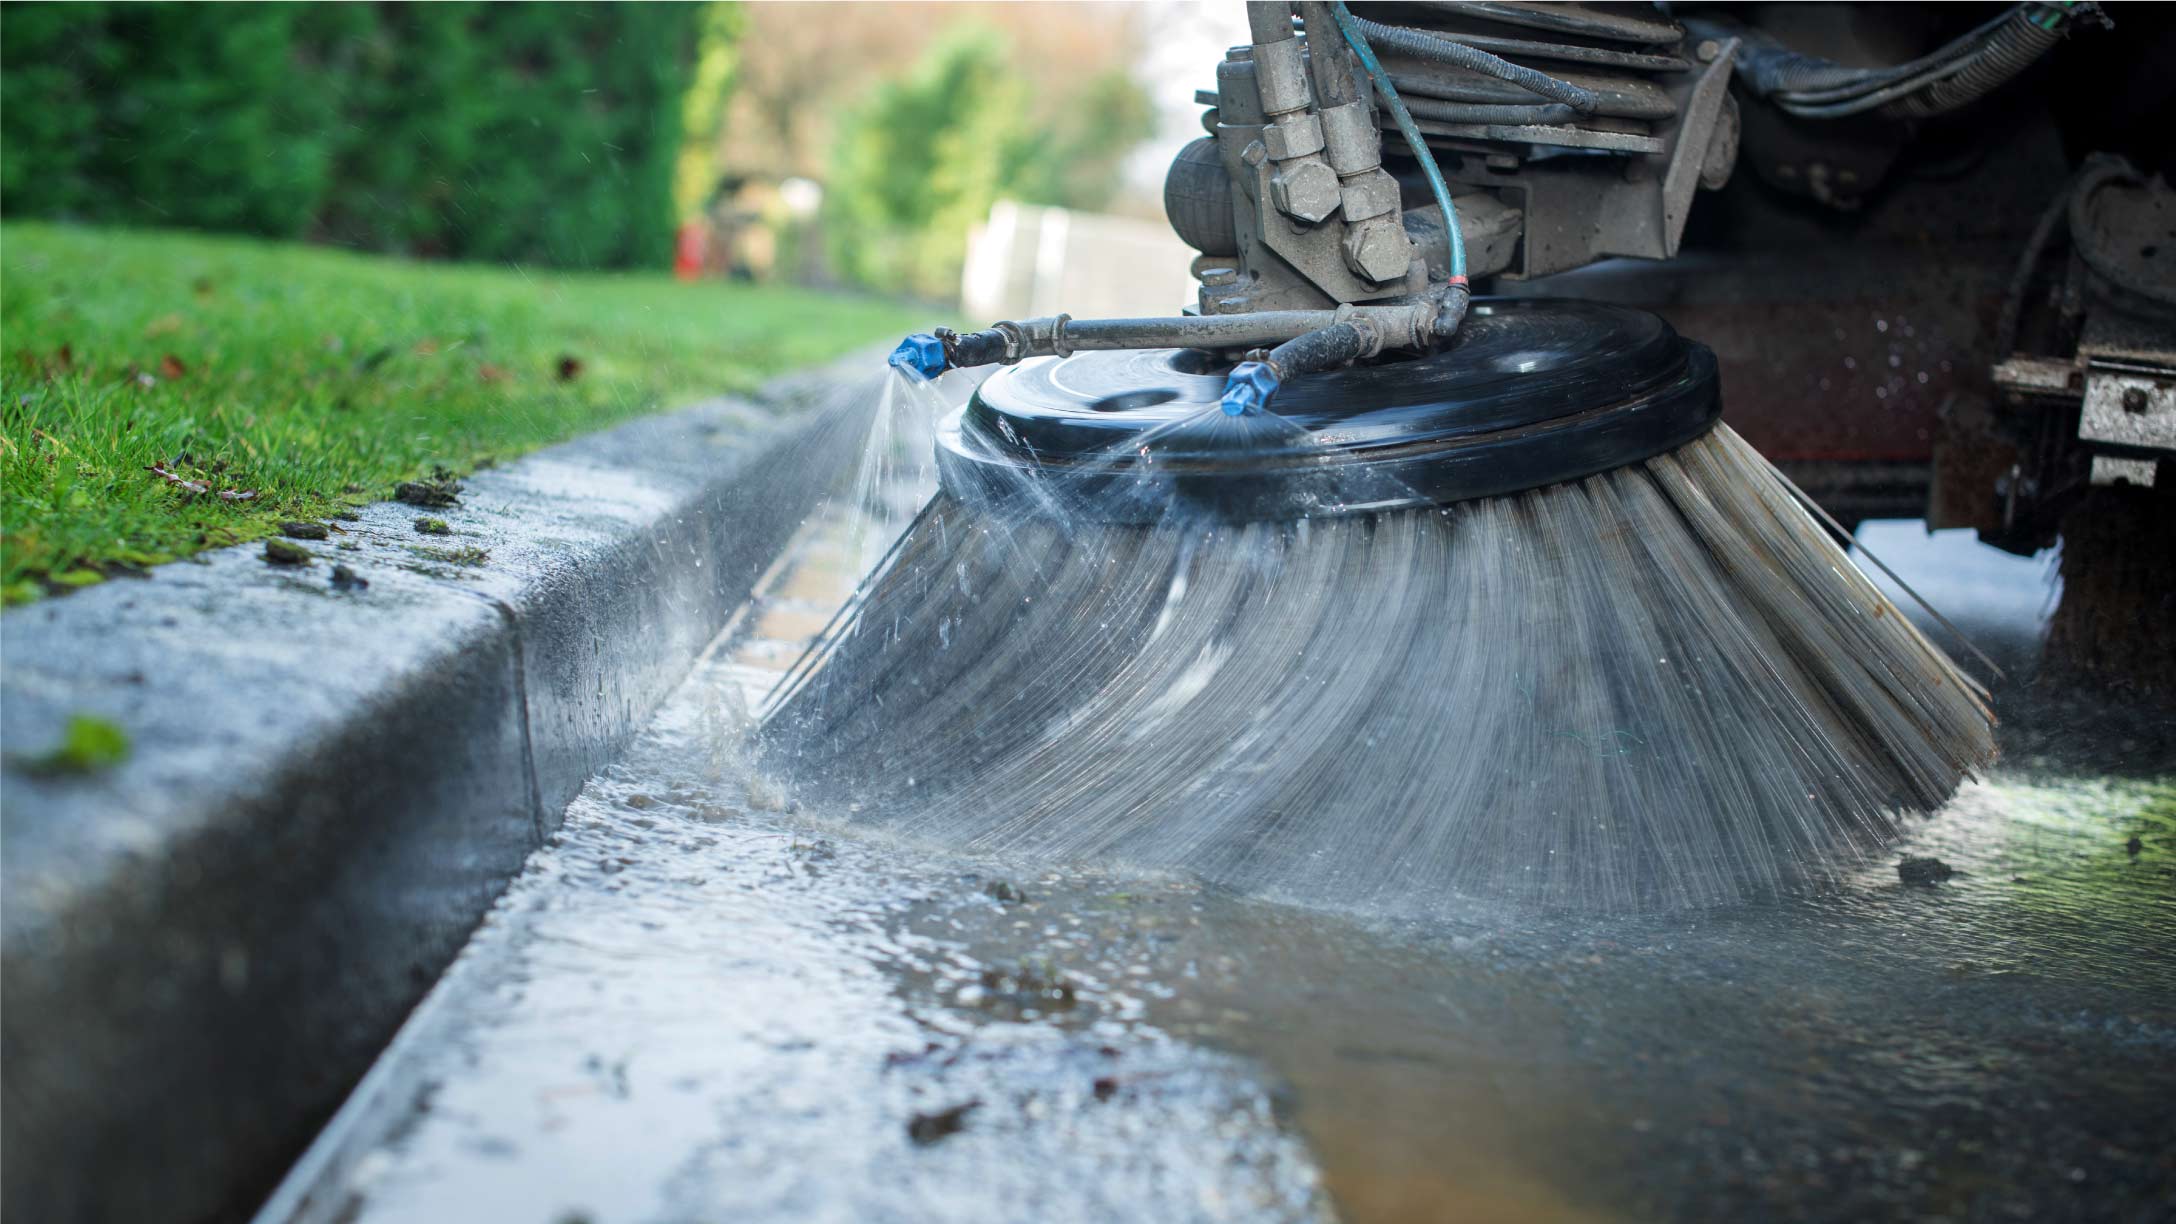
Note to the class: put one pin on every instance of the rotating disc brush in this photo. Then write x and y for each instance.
(1516, 619)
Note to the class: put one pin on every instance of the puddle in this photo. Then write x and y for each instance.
(689, 1010)
(693, 1006)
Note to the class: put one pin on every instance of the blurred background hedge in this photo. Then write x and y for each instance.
(535, 133)
(820, 144)
(920, 158)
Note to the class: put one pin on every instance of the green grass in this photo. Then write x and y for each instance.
(318, 379)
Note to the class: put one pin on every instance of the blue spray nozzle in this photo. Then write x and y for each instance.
(1249, 388)
(922, 354)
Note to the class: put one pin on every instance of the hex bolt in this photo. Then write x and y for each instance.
(2134, 399)
(1305, 191)
(1377, 250)
(1707, 50)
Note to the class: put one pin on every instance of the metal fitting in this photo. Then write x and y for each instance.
(1280, 76)
(1293, 135)
(1004, 343)
(1377, 250)
(1305, 191)
(1353, 144)
(1371, 194)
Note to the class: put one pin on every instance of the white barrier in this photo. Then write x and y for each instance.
(1027, 261)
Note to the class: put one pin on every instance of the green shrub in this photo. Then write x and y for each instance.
(527, 132)
(925, 155)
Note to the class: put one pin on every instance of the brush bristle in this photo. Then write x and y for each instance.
(1660, 686)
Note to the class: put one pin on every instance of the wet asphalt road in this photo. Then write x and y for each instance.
(695, 1006)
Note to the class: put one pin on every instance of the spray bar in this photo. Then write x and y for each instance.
(1412, 324)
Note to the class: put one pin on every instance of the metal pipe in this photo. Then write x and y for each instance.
(1196, 331)
(1405, 324)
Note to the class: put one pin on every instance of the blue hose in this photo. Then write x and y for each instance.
(1419, 144)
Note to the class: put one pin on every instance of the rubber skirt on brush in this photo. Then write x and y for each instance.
(1659, 686)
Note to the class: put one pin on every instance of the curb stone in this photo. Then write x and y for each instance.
(202, 947)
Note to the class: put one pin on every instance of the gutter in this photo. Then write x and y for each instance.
(203, 947)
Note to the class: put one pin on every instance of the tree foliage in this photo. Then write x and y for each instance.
(529, 132)
(926, 154)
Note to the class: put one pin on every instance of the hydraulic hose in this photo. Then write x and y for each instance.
(2014, 47)
(1326, 61)
(1351, 27)
(1252, 383)
(1268, 21)
(1878, 100)
(1323, 348)
(1954, 75)
(1443, 51)
(1774, 71)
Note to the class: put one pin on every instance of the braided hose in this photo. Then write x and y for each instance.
(1773, 70)
(2009, 51)
(1955, 75)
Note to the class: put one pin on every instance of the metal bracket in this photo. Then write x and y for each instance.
(1702, 110)
(1316, 253)
(2129, 409)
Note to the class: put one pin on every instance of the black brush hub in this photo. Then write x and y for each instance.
(1531, 392)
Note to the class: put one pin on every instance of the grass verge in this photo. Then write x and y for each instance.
(313, 379)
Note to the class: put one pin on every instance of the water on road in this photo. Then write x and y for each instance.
(699, 1004)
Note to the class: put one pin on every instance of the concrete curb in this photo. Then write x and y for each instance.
(203, 947)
